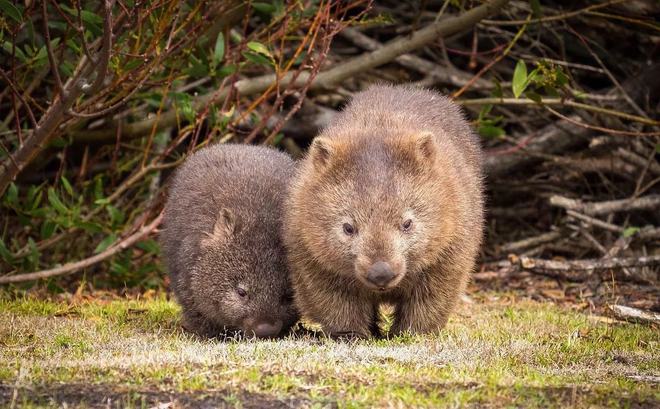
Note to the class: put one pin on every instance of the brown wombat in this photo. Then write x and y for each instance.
(386, 207)
(221, 241)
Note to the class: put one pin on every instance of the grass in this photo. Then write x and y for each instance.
(132, 353)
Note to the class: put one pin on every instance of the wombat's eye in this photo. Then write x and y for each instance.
(407, 225)
(349, 229)
(241, 292)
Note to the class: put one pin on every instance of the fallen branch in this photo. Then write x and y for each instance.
(625, 313)
(531, 241)
(577, 270)
(650, 202)
(69, 268)
(537, 264)
(324, 80)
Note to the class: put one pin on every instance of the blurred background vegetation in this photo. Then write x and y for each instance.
(101, 100)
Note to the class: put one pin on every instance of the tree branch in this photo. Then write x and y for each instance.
(56, 113)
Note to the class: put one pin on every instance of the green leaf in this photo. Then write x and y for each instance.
(257, 58)
(89, 226)
(630, 231)
(534, 96)
(5, 253)
(657, 148)
(519, 82)
(116, 215)
(264, 8)
(105, 243)
(10, 10)
(184, 104)
(259, 48)
(219, 50)
(92, 21)
(536, 8)
(67, 185)
(485, 110)
(490, 131)
(149, 246)
(55, 201)
(33, 257)
(98, 188)
(277, 139)
(47, 229)
(226, 70)
(19, 53)
(11, 198)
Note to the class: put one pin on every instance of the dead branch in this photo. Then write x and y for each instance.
(579, 270)
(436, 72)
(650, 202)
(69, 268)
(595, 222)
(625, 313)
(531, 241)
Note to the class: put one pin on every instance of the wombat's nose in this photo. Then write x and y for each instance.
(380, 274)
(267, 329)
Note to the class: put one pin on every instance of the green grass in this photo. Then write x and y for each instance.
(526, 355)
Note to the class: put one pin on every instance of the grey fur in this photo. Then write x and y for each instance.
(221, 231)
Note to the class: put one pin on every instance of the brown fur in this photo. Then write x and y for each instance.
(221, 232)
(394, 153)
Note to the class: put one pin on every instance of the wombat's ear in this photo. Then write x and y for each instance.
(424, 143)
(321, 151)
(225, 225)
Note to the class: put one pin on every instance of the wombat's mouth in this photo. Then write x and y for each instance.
(393, 284)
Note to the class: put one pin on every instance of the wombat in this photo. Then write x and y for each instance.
(386, 207)
(221, 241)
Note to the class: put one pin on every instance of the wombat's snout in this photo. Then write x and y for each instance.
(265, 329)
(380, 274)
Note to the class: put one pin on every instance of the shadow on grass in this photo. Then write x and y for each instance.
(114, 396)
(118, 396)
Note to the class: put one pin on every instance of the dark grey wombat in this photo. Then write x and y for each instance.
(221, 241)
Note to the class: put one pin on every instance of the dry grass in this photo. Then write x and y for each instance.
(133, 353)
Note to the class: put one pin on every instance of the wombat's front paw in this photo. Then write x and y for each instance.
(347, 335)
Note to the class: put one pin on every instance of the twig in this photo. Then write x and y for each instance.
(649, 202)
(69, 268)
(49, 50)
(104, 55)
(625, 313)
(81, 30)
(595, 222)
(599, 128)
(559, 17)
(558, 101)
(20, 98)
(494, 61)
(634, 158)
